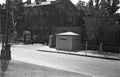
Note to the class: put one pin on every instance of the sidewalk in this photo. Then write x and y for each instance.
(87, 53)
(21, 69)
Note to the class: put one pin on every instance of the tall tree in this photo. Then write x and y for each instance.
(97, 5)
(91, 7)
(81, 7)
(113, 8)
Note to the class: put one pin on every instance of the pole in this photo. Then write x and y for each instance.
(41, 26)
(7, 22)
(86, 47)
(5, 52)
(3, 33)
(101, 47)
(13, 24)
(7, 32)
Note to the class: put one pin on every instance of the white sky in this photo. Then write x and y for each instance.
(74, 1)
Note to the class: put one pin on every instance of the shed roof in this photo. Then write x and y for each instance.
(68, 33)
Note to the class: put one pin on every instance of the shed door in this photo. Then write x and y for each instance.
(64, 43)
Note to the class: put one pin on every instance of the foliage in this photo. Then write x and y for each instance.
(99, 16)
(103, 7)
(81, 7)
(106, 7)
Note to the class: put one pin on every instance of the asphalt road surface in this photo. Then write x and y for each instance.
(85, 65)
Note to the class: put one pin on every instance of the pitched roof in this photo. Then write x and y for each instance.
(69, 34)
(34, 4)
(48, 3)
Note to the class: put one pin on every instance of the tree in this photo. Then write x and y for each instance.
(81, 7)
(113, 8)
(104, 9)
(91, 7)
(96, 5)
(108, 7)
(18, 15)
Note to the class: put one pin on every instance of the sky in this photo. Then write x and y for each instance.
(74, 1)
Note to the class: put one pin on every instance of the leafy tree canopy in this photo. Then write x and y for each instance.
(103, 7)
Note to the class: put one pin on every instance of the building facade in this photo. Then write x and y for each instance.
(42, 16)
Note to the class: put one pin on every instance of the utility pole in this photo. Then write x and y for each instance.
(6, 52)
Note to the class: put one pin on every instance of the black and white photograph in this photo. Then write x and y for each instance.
(59, 38)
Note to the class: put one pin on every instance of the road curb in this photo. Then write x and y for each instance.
(108, 58)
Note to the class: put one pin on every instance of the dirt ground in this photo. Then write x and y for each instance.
(21, 69)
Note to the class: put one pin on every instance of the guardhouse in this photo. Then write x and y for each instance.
(68, 41)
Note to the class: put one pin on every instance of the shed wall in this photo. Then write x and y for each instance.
(64, 43)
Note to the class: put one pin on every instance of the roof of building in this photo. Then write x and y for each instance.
(40, 4)
(68, 33)
(48, 2)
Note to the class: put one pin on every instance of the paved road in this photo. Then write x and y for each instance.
(85, 65)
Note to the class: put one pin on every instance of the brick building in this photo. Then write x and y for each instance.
(42, 16)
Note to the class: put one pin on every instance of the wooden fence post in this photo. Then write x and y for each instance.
(101, 47)
(86, 47)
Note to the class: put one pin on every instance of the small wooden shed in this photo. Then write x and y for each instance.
(68, 41)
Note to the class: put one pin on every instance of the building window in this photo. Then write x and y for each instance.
(44, 0)
(63, 38)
